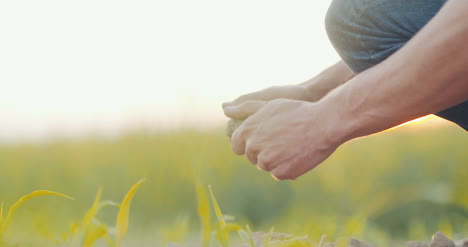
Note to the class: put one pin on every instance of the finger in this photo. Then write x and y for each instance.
(244, 110)
(263, 163)
(238, 142)
(251, 157)
(228, 104)
(262, 95)
(251, 152)
(259, 95)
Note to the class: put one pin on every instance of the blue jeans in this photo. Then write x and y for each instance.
(366, 32)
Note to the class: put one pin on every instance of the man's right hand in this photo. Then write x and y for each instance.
(247, 104)
(312, 90)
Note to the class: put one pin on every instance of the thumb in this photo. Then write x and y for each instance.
(244, 110)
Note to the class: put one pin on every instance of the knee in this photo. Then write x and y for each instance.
(342, 17)
(343, 32)
(334, 21)
(351, 29)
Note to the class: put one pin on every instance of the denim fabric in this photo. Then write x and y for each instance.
(366, 32)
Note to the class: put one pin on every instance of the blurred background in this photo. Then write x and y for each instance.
(103, 93)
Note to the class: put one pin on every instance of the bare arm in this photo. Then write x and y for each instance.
(426, 76)
(290, 137)
(328, 80)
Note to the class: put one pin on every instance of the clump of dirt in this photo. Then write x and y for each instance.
(275, 239)
(438, 240)
(232, 125)
(281, 239)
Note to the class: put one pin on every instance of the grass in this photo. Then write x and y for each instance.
(406, 183)
(90, 229)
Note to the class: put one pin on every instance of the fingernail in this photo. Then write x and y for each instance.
(275, 178)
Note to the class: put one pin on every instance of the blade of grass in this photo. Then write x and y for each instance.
(91, 212)
(222, 237)
(217, 209)
(22, 200)
(122, 217)
(228, 228)
(107, 203)
(204, 214)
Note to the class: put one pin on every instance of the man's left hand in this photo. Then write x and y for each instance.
(285, 137)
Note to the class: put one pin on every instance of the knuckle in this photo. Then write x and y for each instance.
(252, 146)
(264, 162)
(263, 165)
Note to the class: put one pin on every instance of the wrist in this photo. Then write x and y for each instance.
(313, 91)
(335, 124)
(342, 124)
(329, 79)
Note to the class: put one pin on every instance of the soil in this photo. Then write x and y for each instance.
(279, 239)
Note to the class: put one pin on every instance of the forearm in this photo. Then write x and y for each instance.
(427, 75)
(327, 80)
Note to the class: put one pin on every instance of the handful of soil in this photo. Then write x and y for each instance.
(232, 125)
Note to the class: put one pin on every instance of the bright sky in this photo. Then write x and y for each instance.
(74, 67)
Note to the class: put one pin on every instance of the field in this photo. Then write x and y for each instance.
(402, 184)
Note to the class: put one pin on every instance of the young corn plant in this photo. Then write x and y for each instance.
(90, 229)
(217, 235)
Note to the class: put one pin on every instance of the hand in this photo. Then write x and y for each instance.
(311, 90)
(244, 106)
(287, 137)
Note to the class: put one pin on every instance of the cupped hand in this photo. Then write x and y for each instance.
(286, 137)
(245, 105)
